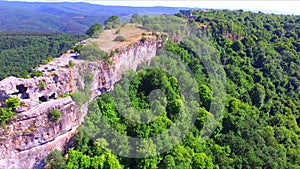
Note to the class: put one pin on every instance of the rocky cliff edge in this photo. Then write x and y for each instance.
(28, 138)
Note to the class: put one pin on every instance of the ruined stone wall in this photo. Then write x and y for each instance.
(27, 139)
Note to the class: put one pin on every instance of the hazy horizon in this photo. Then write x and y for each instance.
(278, 7)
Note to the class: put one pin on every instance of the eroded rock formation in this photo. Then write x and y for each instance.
(27, 139)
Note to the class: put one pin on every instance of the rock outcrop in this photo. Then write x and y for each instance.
(27, 139)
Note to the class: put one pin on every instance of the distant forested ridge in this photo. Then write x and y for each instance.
(260, 122)
(64, 16)
(20, 52)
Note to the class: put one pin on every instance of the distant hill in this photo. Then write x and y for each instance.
(64, 16)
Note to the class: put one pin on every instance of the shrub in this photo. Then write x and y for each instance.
(110, 62)
(120, 39)
(42, 85)
(54, 115)
(71, 64)
(36, 74)
(112, 53)
(143, 39)
(12, 102)
(154, 34)
(49, 59)
(163, 37)
(144, 34)
(118, 31)
(78, 48)
(5, 115)
(130, 45)
(117, 50)
(106, 56)
(64, 95)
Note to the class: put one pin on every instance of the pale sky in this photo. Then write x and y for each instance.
(290, 7)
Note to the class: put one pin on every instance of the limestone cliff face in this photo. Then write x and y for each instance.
(27, 139)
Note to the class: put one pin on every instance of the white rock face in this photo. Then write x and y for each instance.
(27, 139)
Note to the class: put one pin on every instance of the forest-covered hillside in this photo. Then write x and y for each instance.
(20, 52)
(260, 123)
(257, 121)
(64, 16)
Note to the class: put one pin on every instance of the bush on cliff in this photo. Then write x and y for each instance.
(71, 64)
(12, 102)
(42, 85)
(143, 39)
(5, 115)
(54, 115)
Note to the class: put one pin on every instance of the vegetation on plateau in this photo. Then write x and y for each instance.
(120, 39)
(92, 52)
(95, 30)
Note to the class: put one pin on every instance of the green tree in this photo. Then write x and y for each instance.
(168, 162)
(92, 52)
(56, 160)
(202, 161)
(136, 18)
(258, 94)
(112, 22)
(205, 96)
(95, 30)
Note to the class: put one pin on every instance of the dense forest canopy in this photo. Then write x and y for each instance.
(257, 125)
(260, 121)
(20, 52)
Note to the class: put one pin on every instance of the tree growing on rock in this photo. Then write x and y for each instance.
(12, 102)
